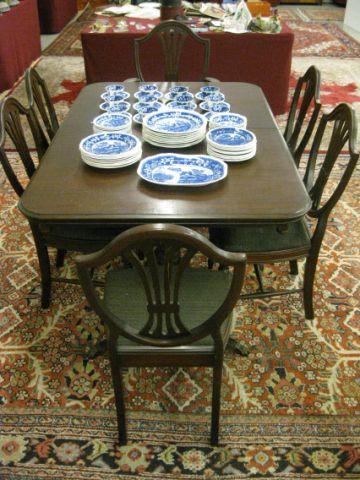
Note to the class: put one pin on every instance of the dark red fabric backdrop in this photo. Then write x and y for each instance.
(55, 14)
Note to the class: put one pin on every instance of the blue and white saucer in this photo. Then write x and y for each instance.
(181, 105)
(149, 87)
(178, 89)
(138, 117)
(115, 107)
(228, 120)
(231, 138)
(112, 122)
(215, 107)
(114, 88)
(184, 97)
(115, 96)
(147, 107)
(209, 89)
(148, 97)
(182, 170)
(109, 145)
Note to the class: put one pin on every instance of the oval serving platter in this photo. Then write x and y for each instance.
(182, 170)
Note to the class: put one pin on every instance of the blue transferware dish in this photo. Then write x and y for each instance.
(150, 87)
(114, 88)
(112, 121)
(148, 97)
(109, 144)
(216, 97)
(231, 137)
(178, 89)
(146, 111)
(215, 107)
(138, 118)
(181, 105)
(209, 89)
(208, 115)
(182, 170)
(184, 97)
(147, 107)
(114, 97)
(115, 107)
(175, 121)
(229, 120)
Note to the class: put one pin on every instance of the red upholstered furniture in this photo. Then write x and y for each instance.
(19, 41)
(262, 59)
(55, 14)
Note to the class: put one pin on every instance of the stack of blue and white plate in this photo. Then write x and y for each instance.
(227, 120)
(231, 144)
(110, 150)
(174, 128)
(112, 122)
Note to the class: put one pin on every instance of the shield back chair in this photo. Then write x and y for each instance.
(304, 105)
(39, 98)
(270, 243)
(13, 115)
(163, 312)
(172, 36)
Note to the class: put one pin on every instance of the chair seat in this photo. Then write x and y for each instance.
(259, 238)
(201, 292)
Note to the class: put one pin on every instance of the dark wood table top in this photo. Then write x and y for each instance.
(266, 188)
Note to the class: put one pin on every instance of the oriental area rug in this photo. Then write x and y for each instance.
(289, 409)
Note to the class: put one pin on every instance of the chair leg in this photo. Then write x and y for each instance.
(216, 396)
(119, 396)
(259, 277)
(44, 265)
(309, 276)
(60, 257)
(294, 267)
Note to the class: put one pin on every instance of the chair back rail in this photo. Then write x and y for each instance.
(11, 114)
(172, 35)
(306, 98)
(160, 254)
(39, 96)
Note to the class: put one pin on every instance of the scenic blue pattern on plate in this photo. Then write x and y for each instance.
(182, 105)
(114, 107)
(112, 120)
(147, 107)
(231, 136)
(226, 118)
(114, 88)
(215, 107)
(175, 121)
(111, 144)
(114, 96)
(148, 96)
(182, 170)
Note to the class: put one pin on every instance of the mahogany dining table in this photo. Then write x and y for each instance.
(65, 191)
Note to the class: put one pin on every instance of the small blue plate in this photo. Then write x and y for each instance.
(184, 97)
(147, 107)
(113, 121)
(231, 137)
(115, 107)
(114, 96)
(150, 87)
(216, 97)
(114, 88)
(148, 97)
(182, 170)
(209, 89)
(109, 144)
(228, 119)
(181, 105)
(215, 107)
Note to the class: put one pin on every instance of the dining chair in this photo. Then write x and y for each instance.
(163, 311)
(172, 36)
(13, 119)
(277, 243)
(305, 105)
(39, 97)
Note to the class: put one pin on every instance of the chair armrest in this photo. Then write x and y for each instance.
(211, 79)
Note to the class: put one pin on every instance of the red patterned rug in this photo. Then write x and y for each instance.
(321, 14)
(288, 409)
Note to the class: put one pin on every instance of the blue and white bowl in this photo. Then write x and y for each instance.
(178, 89)
(150, 87)
(228, 120)
(216, 97)
(215, 107)
(209, 89)
(109, 145)
(148, 97)
(111, 122)
(231, 138)
(114, 97)
(147, 107)
(182, 170)
(115, 107)
(114, 88)
(146, 110)
(181, 105)
(184, 97)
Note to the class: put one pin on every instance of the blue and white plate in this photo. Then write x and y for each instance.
(114, 88)
(114, 96)
(115, 107)
(209, 89)
(148, 97)
(147, 107)
(112, 121)
(138, 118)
(208, 115)
(215, 107)
(109, 145)
(231, 138)
(178, 89)
(184, 97)
(216, 97)
(150, 87)
(176, 122)
(181, 105)
(228, 120)
(182, 170)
